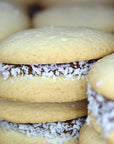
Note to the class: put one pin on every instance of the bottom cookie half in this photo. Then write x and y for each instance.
(9, 137)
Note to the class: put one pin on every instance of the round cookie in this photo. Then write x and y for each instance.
(101, 97)
(50, 45)
(50, 3)
(12, 19)
(101, 77)
(35, 63)
(38, 89)
(88, 15)
(89, 136)
(41, 112)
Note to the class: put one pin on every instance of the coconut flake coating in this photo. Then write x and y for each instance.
(68, 70)
(103, 109)
(61, 131)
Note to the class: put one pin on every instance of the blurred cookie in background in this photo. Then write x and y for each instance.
(22, 2)
(51, 3)
(87, 15)
(12, 19)
(101, 98)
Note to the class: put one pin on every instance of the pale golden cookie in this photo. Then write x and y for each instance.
(18, 138)
(101, 77)
(88, 15)
(12, 19)
(41, 112)
(56, 45)
(38, 89)
(60, 81)
(50, 3)
(89, 136)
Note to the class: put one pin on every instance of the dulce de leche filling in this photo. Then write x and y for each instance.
(103, 109)
(68, 70)
(62, 130)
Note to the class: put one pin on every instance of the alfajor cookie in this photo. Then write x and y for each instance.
(101, 97)
(88, 15)
(44, 123)
(50, 64)
(12, 19)
(89, 136)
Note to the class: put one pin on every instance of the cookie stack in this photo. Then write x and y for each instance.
(43, 83)
(12, 19)
(100, 127)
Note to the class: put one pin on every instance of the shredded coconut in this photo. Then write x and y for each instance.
(68, 70)
(98, 83)
(55, 132)
(103, 109)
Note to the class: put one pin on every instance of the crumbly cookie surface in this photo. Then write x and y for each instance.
(101, 77)
(56, 45)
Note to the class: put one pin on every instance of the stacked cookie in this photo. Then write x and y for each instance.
(43, 82)
(12, 19)
(101, 103)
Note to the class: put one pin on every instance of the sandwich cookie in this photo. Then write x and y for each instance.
(44, 123)
(12, 19)
(101, 97)
(89, 136)
(88, 15)
(50, 64)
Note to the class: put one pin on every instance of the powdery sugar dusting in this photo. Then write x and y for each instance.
(49, 70)
(103, 109)
(56, 132)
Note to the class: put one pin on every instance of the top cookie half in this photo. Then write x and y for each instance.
(56, 45)
(101, 77)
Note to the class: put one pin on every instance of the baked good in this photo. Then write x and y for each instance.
(44, 123)
(12, 19)
(22, 112)
(101, 97)
(50, 64)
(87, 15)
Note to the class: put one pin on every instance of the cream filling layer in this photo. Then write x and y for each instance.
(58, 131)
(68, 70)
(103, 109)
